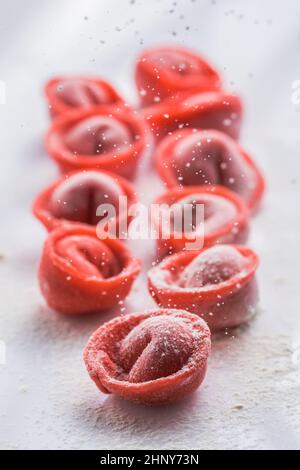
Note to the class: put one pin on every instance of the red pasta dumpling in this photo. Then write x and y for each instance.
(196, 216)
(210, 110)
(79, 273)
(164, 71)
(217, 283)
(109, 138)
(209, 157)
(86, 197)
(155, 357)
(65, 94)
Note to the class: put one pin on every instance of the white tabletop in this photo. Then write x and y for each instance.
(250, 398)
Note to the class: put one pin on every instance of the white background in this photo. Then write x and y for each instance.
(251, 396)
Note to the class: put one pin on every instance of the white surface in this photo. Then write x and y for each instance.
(250, 398)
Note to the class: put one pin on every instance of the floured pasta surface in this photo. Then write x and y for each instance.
(217, 283)
(155, 357)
